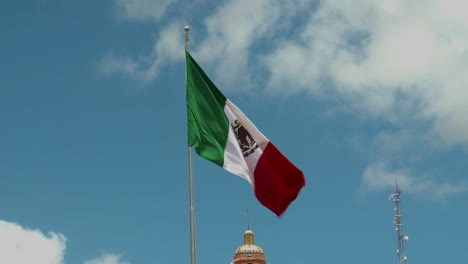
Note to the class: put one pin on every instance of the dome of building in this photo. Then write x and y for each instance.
(245, 249)
(249, 252)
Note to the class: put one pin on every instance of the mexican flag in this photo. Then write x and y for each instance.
(221, 133)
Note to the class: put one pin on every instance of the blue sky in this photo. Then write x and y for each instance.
(93, 153)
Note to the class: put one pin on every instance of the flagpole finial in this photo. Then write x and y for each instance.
(187, 38)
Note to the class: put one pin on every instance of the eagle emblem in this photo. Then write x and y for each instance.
(246, 142)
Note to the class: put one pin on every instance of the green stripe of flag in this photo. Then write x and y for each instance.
(208, 126)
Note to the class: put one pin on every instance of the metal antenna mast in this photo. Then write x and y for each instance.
(402, 239)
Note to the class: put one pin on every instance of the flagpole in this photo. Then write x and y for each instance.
(193, 258)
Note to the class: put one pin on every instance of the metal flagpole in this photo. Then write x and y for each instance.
(193, 258)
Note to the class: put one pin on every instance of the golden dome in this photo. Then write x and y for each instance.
(249, 247)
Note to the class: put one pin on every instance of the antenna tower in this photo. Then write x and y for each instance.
(402, 238)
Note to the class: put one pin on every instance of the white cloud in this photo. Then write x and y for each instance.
(168, 48)
(378, 177)
(142, 9)
(107, 259)
(232, 31)
(399, 60)
(20, 245)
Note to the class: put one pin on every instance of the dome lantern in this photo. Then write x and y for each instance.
(248, 237)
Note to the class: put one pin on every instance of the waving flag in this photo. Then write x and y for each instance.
(221, 133)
